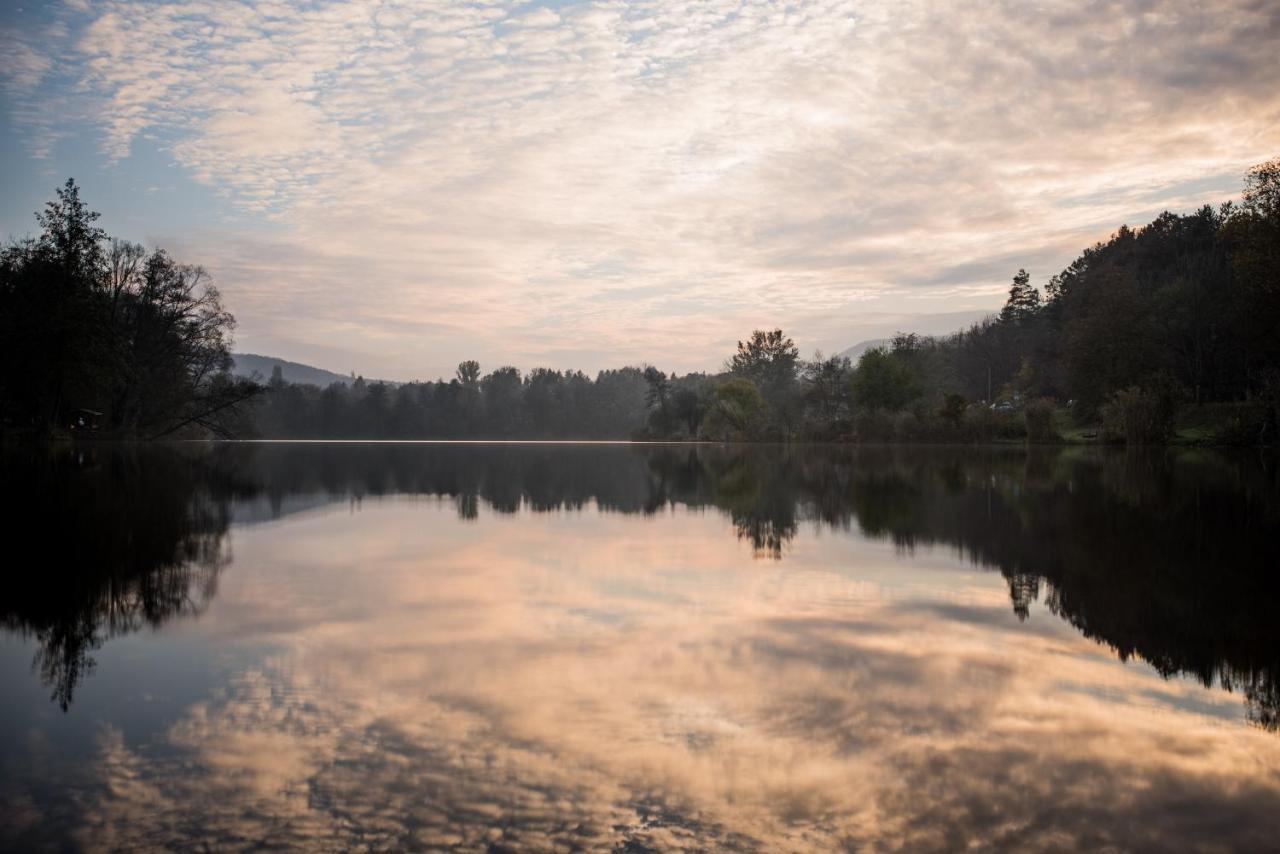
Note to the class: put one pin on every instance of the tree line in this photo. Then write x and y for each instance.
(503, 404)
(1179, 316)
(1184, 312)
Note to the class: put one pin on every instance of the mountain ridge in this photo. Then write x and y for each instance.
(249, 364)
(854, 353)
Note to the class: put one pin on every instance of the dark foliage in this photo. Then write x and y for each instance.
(1185, 311)
(139, 540)
(89, 323)
(545, 404)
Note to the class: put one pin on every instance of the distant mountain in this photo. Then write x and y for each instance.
(935, 324)
(854, 353)
(248, 364)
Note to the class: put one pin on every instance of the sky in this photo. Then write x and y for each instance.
(391, 187)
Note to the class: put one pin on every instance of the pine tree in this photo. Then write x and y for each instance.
(1024, 300)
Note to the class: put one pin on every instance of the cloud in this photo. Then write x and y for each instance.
(650, 180)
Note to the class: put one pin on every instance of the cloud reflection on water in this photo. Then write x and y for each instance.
(542, 648)
(472, 694)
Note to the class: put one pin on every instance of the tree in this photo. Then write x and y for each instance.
(1108, 343)
(766, 358)
(826, 387)
(769, 360)
(687, 406)
(656, 397)
(883, 381)
(1024, 300)
(139, 337)
(53, 344)
(70, 235)
(1253, 238)
(503, 398)
(1261, 196)
(468, 373)
(1025, 378)
(736, 410)
(124, 265)
(173, 338)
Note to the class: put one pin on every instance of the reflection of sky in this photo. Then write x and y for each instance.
(396, 677)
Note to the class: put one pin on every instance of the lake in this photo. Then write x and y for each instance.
(638, 647)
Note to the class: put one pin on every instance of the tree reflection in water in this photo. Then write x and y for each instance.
(1167, 556)
(106, 541)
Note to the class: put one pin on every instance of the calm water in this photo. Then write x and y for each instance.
(530, 647)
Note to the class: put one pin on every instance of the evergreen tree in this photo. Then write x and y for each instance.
(1024, 299)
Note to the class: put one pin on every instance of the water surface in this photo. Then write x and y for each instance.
(531, 647)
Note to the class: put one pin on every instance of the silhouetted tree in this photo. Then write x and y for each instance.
(1024, 300)
(88, 322)
(468, 373)
(770, 360)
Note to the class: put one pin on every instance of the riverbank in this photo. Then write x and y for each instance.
(1242, 424)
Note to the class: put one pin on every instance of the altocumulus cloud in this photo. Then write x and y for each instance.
(601, 183)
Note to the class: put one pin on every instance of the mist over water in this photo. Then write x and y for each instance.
(514, 646)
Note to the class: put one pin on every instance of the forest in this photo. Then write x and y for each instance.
(1167, 331)
(1172, 328)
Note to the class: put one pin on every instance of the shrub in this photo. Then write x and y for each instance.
(953, 408)
(985, 424)
(875, 425)
(1227, 423)
(1138, 417)
(907, 427)
(1039, 420)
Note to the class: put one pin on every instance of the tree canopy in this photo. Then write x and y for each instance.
(1182, 312)
(89, 323)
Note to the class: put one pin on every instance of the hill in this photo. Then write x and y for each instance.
(854, 353)
(248, 364)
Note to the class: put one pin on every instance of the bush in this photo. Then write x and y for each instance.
(1039, 415)
(736, 413)
(875, 425)
(953, 409)
(1226, 423)
(1138, 417)
(975, 424)
(985, 425)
